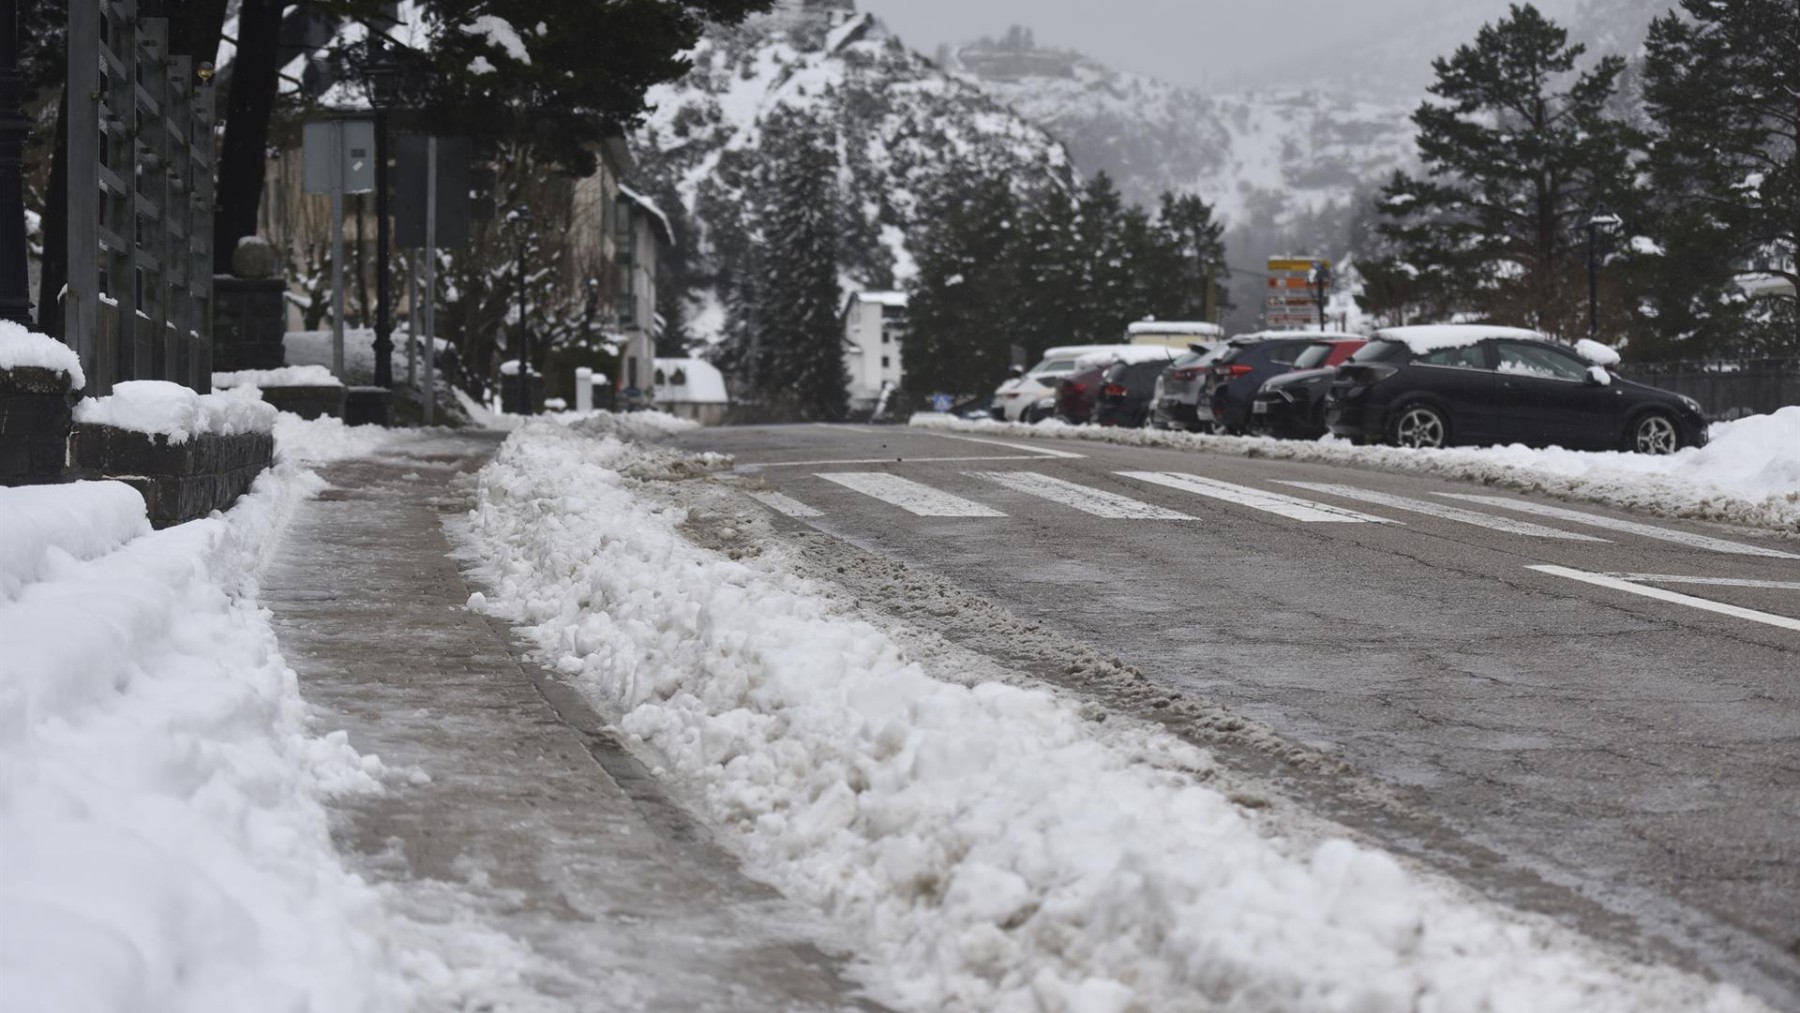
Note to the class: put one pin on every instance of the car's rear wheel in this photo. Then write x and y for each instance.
(1419, 426)
(1654, 433)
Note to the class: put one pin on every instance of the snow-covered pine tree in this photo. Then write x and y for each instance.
(797, 298)
(1052, 276)
(1720, 82)
(1195, 239)
(1518, 149)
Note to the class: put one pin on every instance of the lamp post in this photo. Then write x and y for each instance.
(521, 220)
(1321, 286)
(1598, 219)
(381, 75)
(15, 297)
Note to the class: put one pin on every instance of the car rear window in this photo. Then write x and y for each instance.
(1382, 350)
(1313, 356)
(1053, 366)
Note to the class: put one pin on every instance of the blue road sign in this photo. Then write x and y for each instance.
(941, 402)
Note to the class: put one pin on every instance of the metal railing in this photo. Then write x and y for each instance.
(1728, 389)
(139, 300)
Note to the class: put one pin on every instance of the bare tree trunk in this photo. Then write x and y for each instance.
(248, 108)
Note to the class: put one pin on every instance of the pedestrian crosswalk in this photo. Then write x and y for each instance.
(1115, 503)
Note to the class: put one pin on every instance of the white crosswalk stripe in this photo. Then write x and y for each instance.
(1630, 527)
(1442, 510)
(908, 495)
(1097, 502)
(787, 505)
(1290, 507)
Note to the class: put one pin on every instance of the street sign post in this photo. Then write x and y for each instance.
(1291, 303)
(431, 212)
(338, 158)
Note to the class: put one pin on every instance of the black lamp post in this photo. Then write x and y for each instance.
(1321, 285)
(520, 217)
(15, 297)
(1598, 219)
(381, 75)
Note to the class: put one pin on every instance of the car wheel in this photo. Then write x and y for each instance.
(1654, 433)
(1419, 426)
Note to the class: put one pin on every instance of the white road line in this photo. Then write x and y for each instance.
(1028, 448)
(1257, 499)
(1660, 594)
(1097, 502)
(1631, 527)
(1444, 511)
(756, 466)
(785, 505)
(1670, 578)
(908, 495)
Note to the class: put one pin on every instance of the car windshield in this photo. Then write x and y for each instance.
(1052, 366)
(1381, 350)
(1314, 356)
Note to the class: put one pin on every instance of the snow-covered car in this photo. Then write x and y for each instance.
(1435, 386)
(1020, 396)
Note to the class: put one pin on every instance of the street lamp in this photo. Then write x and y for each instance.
(520, 217)
(1598, 219)
(381, 78)
(1320, 277)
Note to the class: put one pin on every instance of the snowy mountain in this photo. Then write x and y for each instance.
(902, 124)
(1269, 154)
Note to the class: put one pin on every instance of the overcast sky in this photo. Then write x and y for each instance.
(1202, 42)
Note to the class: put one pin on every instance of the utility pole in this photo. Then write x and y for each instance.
(15, 295)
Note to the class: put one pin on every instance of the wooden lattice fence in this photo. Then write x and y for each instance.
(139, 300)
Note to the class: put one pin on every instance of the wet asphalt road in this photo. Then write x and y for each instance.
(1638, 752)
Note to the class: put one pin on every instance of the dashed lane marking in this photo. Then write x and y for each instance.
(1444, 511)
(1257, 499)
(1676, 597)
(908, 495)
(1097, 502)
(1631, 527)
(787, 505)
(1026, 447)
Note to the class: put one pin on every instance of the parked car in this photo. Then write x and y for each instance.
(1076, 393)
(1291, 406)
(1473, 383)
(1026, 394)
(1125, 393)
(1233, 378)
(1174, 403)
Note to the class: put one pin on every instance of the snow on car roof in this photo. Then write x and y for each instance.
(1068, 351)
(1129, 353)
(1174, 327)
(1431, 337)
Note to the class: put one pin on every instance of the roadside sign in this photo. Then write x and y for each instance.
(338, 155)
(941, 403)
(411, 167)
(1290, 303)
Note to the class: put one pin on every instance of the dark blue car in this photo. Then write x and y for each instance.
(1235, 376)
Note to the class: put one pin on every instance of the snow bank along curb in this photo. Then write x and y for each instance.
(982, 847)
(1748, 474)
(159, 790)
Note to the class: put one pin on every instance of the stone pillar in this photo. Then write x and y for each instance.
(36, 416)
(250, 311)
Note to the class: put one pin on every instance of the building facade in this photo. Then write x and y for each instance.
(873, 325)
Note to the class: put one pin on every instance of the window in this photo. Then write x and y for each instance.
(884, 362)
(1459, 356)
(1521, 359)
(1314, 356)
(1287, 351)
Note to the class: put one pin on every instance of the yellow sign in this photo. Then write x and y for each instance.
(1301, 264)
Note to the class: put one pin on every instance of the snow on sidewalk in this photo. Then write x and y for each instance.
(1748, 474)
(983, 846)
(163, 840)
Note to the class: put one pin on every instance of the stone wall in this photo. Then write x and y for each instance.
(179, 481)
(36, 415)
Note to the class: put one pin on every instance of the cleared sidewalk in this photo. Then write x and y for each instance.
(545, 863)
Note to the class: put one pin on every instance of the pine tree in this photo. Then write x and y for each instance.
(1052, 272)
(798, 334)
(1513, 168)
(1110, 293)
(1720, 82)
(1194, 285)
(963, 311)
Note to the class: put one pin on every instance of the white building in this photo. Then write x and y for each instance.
(641, 227)
(873, 324)
(691, 389)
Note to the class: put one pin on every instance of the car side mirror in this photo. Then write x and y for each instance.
(1597, 376)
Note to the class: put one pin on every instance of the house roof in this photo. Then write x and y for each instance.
(648, 206)
(876, 297)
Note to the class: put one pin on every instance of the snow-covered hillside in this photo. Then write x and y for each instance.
(901, 124)
(1274, 151)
